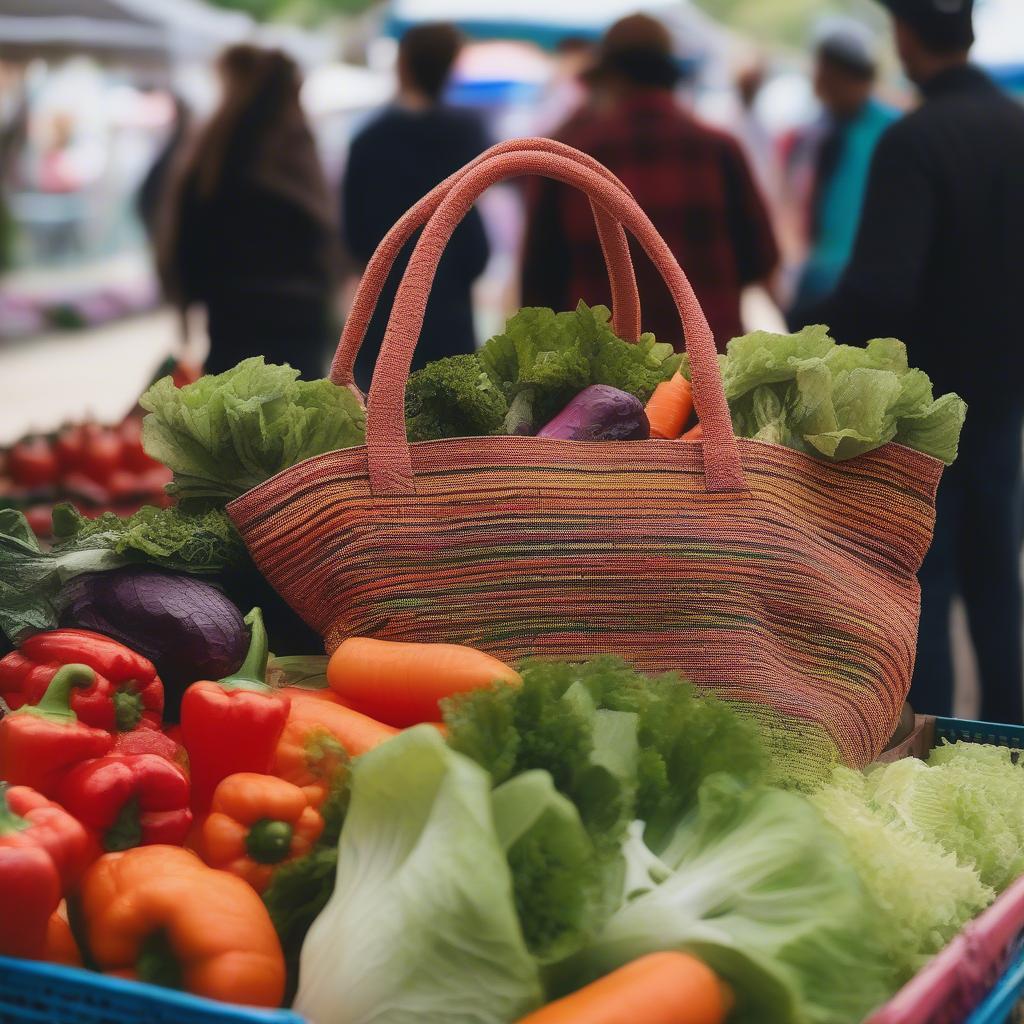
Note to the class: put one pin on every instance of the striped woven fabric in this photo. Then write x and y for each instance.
(800, 594)
(782, 582)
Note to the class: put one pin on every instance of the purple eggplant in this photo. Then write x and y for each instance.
(188, 628)
(600, 413)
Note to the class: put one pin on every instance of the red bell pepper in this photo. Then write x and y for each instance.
(128, 800)
(127, 691)
(39, 743)
(43, 852)
(232, 725)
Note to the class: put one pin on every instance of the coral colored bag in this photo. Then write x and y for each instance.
(780, 581)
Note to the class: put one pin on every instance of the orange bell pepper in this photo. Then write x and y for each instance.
(317, 741)
(256, 824)
(159, 914)
(61, 947)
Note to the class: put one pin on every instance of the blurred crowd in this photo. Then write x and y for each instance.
(876, 221)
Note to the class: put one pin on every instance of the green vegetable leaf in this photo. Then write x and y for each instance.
(925, 896)
(761, 889)
(563, 892)
(421, 924)
(204, 543)
(543, 359)
(31, 579)
(230, 431)
(835, 401)
(971, 806)
(453, 397)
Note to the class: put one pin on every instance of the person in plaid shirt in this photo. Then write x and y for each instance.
(692, 181)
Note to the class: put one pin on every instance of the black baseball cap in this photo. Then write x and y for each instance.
(942, 25)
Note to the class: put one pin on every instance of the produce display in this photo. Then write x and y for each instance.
(412, 832)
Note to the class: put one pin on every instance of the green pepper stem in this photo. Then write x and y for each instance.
(252, 674)
(56, 701)
(269, 841)
(9, 821)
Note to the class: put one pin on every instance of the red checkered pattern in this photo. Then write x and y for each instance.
(694, 183)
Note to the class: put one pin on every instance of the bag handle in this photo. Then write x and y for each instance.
(387, 445)
(625, 297)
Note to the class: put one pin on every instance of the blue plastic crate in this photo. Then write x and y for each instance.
(41, 993)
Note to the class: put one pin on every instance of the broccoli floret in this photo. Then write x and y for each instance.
(453, 397)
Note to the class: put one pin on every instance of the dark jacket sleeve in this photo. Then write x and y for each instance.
(188, 276)
(879, 289)
(545, 271)
(750, 226)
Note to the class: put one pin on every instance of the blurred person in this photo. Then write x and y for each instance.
(249, 229)
(154, 188)
(692, 180)
(752, 132)
(938, 262)
(837, 152)
(566, 92)
(408, 148)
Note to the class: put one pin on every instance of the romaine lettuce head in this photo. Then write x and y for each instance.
(421, 925)
(757, 885)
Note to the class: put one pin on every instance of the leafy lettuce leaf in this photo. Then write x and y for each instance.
(923, 892)
(563, 894)
(421, 924)
(835, 401)
(228, 432)
(759, 887)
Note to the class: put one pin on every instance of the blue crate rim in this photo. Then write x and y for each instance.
(77, 978)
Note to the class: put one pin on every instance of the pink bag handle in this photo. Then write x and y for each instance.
(387, 446)
(625, 297)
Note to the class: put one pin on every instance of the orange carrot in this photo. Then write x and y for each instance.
(670, 406)
(402, 683)
(308, 754)
(308, 693)
(660, 988)
(695, 433)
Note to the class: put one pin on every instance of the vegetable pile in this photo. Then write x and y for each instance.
(419, 832)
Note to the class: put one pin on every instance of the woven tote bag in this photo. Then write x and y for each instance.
(784, 583)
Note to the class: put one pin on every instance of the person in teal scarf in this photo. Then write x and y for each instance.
(839, 150)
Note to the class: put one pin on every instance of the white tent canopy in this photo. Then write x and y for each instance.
(136, 30)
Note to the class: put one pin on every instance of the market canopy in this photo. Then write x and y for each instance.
(539, 21)
(138, 30)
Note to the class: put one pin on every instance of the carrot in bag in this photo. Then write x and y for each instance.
(670, 406)
(660, 988)
(402, 683)
(695, 433)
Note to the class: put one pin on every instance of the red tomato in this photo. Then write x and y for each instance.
(79, 486)
(101, 455)
(133, 455)
(69, 445)
(122, 484)
(40, 518)
(32, 463)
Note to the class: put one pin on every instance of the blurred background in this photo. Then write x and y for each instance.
(92, 92)
(101, 100)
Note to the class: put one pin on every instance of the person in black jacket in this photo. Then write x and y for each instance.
(250, 230)
(939, 262)
(401, 155)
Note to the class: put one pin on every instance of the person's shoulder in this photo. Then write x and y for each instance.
(378, 125)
